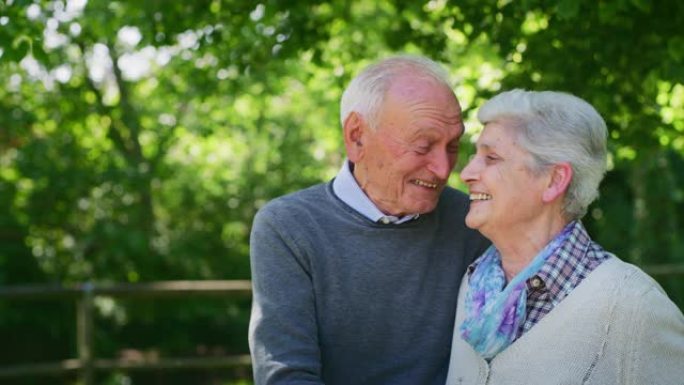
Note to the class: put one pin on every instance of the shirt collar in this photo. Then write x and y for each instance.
(348, 190)
(560, 265)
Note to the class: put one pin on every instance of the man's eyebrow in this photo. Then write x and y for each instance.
(423, 133)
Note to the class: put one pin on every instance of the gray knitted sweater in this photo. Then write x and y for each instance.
(339, 299)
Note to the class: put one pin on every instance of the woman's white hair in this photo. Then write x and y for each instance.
(366, 92)
(556, 127)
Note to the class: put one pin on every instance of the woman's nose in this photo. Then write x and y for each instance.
(468, 173)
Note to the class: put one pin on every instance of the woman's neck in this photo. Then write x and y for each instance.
(517, 251)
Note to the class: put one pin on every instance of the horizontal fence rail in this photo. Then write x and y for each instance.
(130, 290)
(664, 269)
(84, 295)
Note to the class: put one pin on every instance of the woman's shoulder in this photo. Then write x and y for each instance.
(646, 328)
(635, 292)
(630, 279)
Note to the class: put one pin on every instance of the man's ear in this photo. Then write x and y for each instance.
(561, 175)
(354, 133)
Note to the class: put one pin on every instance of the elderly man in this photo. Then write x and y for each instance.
(356, 280)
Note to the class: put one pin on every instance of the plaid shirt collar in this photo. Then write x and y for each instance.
(572, 249)
(562, 272)
(558, 274)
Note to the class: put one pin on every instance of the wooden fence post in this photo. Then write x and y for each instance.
(84, 333)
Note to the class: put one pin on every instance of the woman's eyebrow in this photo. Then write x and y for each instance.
(484, 146)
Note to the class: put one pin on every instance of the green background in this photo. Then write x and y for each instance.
(138, 139)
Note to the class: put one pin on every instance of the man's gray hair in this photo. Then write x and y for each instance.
(556, 127)
(366, 92)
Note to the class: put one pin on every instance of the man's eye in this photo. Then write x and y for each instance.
(421, 147)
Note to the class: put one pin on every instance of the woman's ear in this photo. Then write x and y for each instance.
(354, 127)
(561, 175)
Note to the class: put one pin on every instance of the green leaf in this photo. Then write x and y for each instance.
(568, 9)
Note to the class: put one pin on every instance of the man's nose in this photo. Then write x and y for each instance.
(441, 164)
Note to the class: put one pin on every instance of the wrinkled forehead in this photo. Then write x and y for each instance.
(421, 88)
(499, 134)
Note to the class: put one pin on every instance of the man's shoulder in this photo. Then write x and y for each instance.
(305, 199)
(453, 201)
(451, 194)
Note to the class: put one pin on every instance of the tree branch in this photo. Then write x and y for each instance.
(129, 115)
(114, 130)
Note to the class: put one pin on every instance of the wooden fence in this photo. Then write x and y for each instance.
(86, 363)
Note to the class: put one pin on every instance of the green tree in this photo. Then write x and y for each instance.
(137, 139)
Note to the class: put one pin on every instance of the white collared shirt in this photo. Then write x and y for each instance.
(348, 190)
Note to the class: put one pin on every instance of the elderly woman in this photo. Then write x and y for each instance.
(545, 304)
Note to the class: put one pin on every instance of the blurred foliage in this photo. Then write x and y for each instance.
(137, 139)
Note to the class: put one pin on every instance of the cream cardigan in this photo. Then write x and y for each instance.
(616, 327)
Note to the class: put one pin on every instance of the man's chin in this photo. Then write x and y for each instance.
(424, 208)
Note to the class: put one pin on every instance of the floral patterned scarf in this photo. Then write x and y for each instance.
(496, 310)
